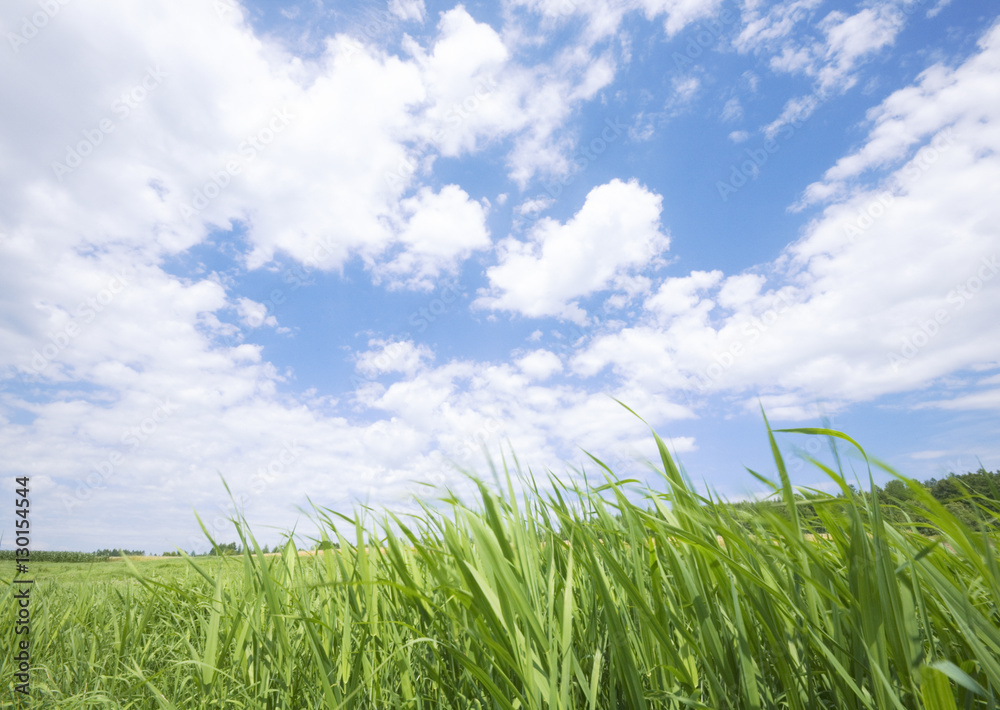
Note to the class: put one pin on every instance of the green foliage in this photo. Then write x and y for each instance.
(552, 596)
(225, 548)
(119, 552)
(973, 498)
(58, 556)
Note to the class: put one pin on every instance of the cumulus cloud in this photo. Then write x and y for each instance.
(440, 231)
(408, 9)
(254, 314)
(616, 232)
(678, 296)
(540, 364)
(891, 288)
(404, 357)
(133, 372)
(944, 103)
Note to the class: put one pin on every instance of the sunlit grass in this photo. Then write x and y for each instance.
(550, 596)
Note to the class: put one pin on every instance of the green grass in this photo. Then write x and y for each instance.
(174, 568)
(561, 598)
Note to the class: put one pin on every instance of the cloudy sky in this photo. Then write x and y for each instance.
(331, 249)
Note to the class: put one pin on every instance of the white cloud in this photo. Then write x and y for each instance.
(615, 232)
(476, 94)
(534, 205)
(539, 364)
(678, 296)
(254, 314)
(440, 231)
(733, 110)
(795, 111)
(961, 99)
(402, 356)
(740, 290)
(685, 89)
(887, 291)
(988, 399)
(408, 9)
(320, 161)
(849, 38)
(469, 96)
(936, 10)
(605, 16)
(763, 30)
(922, 455)
(831, 51)
(243, 134)
(461, 406)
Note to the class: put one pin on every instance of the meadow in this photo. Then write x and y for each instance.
(548, 595)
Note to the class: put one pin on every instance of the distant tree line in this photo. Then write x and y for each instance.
(226, 548)
(973, 498)
(118, 553)
(57, 556)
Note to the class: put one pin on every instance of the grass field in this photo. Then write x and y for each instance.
(563, 598)
(164, 568)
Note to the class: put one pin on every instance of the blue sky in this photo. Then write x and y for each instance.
(332, 249)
